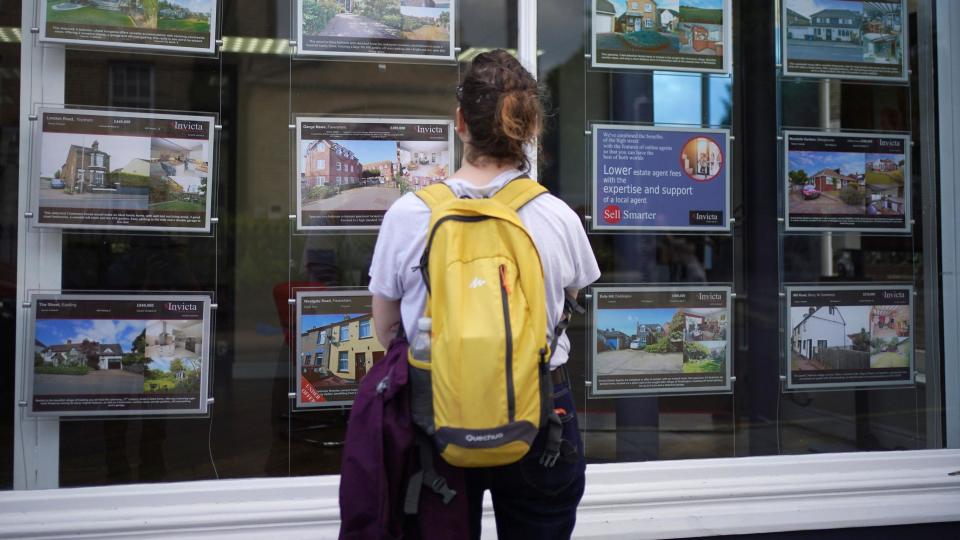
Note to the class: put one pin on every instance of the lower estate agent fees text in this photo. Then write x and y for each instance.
(660, 179)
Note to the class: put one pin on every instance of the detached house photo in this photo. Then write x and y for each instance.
(829, 183)
(81, 357)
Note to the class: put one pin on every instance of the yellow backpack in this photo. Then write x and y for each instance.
(486, 390)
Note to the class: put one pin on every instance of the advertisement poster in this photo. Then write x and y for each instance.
(336, 346)
(658, 178)
(672, 35)
(105, 355)
(120, 170)
(845, 336)
(350, 170)
(661, 340)
(166, 25)
(414, 29)
(851, 39)
(847, 182)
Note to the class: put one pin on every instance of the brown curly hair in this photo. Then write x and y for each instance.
(502, 108)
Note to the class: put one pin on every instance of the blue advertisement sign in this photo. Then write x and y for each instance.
(659, 178)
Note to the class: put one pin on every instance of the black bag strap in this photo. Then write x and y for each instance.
(426, 476)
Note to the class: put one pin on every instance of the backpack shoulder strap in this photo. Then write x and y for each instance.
(436, 194)
(519, 192)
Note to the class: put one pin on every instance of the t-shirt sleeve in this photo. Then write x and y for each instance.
(385, 265)
(586, 270)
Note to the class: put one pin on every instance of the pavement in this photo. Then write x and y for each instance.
(358, 26)
(822, 50)
(630, 362)
(58, 198)
(824, 204)
(93, 383)
(364, 198)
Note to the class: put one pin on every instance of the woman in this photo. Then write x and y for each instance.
(499, 113)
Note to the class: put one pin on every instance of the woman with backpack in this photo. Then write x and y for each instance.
(422, 266)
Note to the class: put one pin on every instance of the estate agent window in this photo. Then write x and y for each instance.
(736, 166)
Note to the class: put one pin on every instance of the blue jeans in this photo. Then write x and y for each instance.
(531, 501)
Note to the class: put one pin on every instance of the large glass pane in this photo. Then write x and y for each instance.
(758, 258)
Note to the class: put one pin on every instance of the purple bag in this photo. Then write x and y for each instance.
(381, 456)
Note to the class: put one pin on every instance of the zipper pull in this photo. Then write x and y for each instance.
(503, 278)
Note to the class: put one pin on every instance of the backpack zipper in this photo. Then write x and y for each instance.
(425, 257)
(504, 292)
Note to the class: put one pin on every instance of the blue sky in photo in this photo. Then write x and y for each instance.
(626, 320)
(809, 7)
(371, 151)
(432, 13)
(58, 331)
(702, 4)
(895, 157)
(814, 162)
(309, 322)
(163, 364)
(198, 6)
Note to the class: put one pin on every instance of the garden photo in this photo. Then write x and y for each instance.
(185, 15)
(140, 14)
(173, 353)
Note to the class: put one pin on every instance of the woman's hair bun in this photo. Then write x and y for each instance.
(500, 102)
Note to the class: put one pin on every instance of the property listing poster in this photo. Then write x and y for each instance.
(350, 170)
(413, 29)
(167, 25)
(851, 39)
(661, 340)
(658, 178)
(846, 336)
(674, 35)
(104, 355)
(119, 170)
(847, 182)
(336, 346)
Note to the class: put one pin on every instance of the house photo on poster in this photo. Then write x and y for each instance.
(167, 25)
(660, 178)
(336, 346)
(103, 355)
(413, 29)
(350, 170)
(851, 39)
(117, 170)
(848, 336)
(847, 182)
(675, 35)
(669, 340)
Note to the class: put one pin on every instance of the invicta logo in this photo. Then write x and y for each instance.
(477, 283)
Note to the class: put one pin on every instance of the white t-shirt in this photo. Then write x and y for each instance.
(565, 252)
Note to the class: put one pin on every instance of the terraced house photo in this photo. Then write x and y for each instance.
(335, 350)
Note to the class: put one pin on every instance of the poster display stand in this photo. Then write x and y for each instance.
(119, 355)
